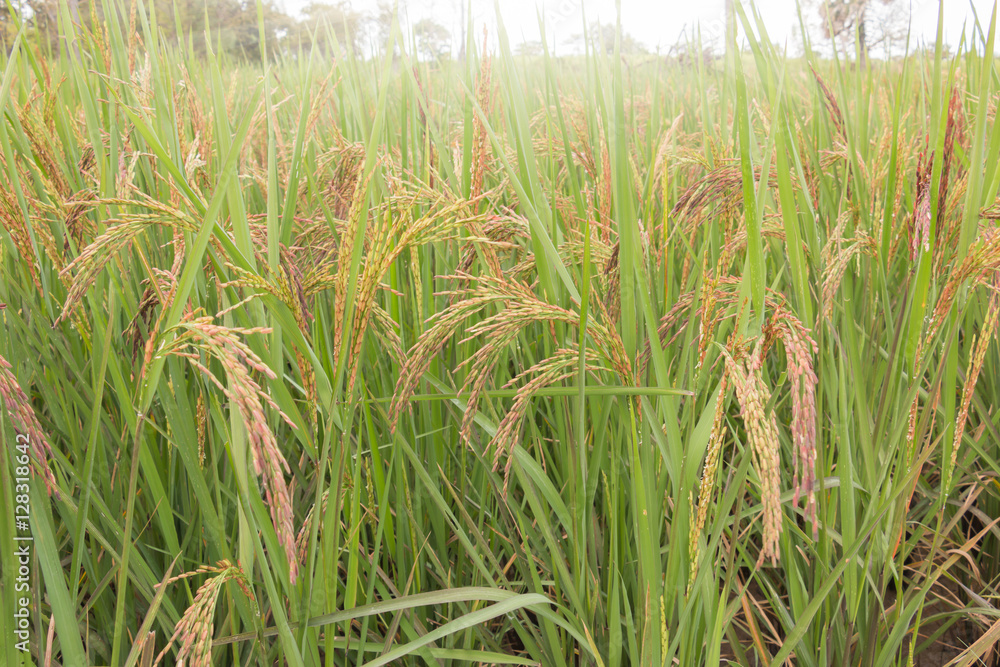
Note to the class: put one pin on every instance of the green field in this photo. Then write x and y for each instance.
(333, 359)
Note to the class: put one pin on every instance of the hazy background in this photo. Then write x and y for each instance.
(436, 29)
(657, 24)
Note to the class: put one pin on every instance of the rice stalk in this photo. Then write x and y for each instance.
(22, 416)
(195, 630)
(197, 336)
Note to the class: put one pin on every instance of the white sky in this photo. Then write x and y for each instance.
(654, 22)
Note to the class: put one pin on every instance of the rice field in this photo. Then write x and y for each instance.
(332, 359)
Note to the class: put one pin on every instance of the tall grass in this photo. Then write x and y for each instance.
(547, 361)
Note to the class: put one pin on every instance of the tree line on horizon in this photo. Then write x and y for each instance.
(856, 27)
(230, 26)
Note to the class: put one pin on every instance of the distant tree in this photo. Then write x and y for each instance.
(228, 26)
(238, 32)
(686, 54)
(7, 30)
(231, 25)
(433, 40)
(42, 20)
(324, 20)
(463, 34)
(602, 36)
(380, 27)
(845, 20)
(532, 47)
(41, 17)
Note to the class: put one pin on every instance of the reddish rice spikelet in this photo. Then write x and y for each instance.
(922, 207)
(722, 187)
(480, 138)
(604, 191)
(834, 272)
(837, 255)
(980, 344)
(923, 217)
(195, 629)
(164, 288)
(661, 162)
(302, 541)
(348, 159)
(709, 317)
(120, 233)
(43, 151)
(706, 324)
(982, 259)
(836, 115)
(347, 241)
(499, 331)
(444, 324)
(22, 416)
(238, 360)
(77, 223)
(521, 307)
(133, 36)
(560, 366)
(15, 224)
(715, 442)
(390, 238)
(612, 277)
(799, 348)
(752, 395)
(500, 232)
(954, 134)
(201, 416)
(481, 151)
(141, 321)
(285, 284)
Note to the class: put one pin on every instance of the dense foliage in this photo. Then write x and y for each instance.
(230, 27)
(583, 361)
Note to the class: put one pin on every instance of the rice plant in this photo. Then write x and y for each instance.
(325, 359)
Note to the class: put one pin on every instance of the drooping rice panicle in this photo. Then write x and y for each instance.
(29, 431)
(199, 335)
(195, 630)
